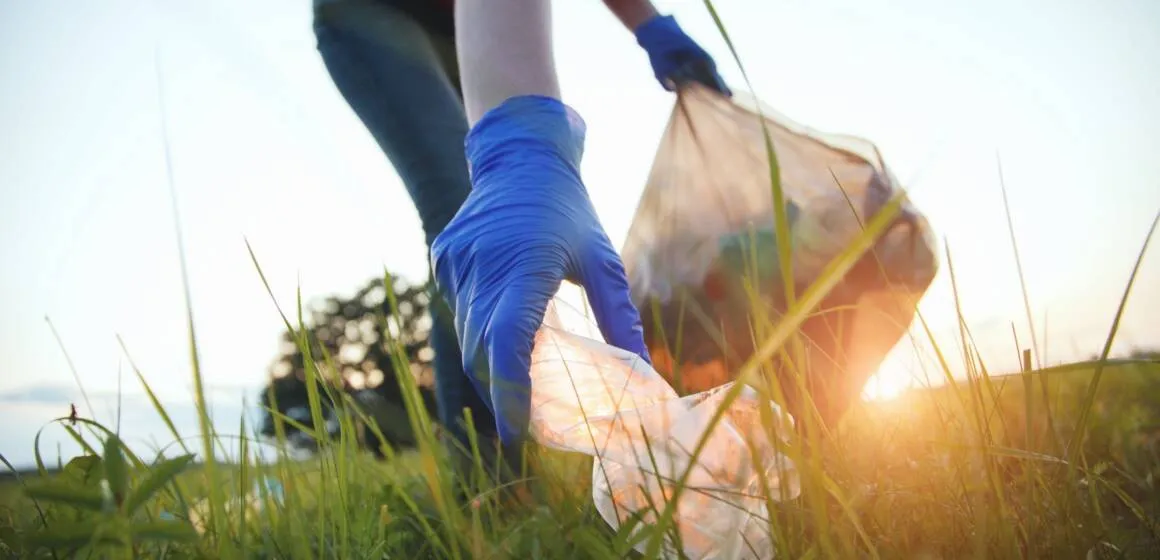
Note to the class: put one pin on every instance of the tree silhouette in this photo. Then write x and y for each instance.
(353, 342)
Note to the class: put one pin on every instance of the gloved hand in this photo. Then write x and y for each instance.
(527, 225)
(676, 59)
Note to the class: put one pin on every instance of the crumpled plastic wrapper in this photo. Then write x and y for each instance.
(593, 398)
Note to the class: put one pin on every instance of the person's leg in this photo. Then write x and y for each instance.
(395, 77)
(389, 69)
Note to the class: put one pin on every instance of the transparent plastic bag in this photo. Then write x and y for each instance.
(593, 398)
(707, 208)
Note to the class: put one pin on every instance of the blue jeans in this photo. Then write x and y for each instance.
(402, 81)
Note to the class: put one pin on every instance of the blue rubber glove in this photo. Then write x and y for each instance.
(675, 57)
(527, 225)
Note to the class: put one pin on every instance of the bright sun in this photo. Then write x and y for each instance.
(887, 383)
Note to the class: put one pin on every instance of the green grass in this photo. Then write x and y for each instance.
(913, 477)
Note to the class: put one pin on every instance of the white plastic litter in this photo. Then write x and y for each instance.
(593, 398)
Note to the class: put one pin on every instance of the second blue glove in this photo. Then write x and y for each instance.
(675, 57)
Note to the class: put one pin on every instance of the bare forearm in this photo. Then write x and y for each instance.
(632, 13)
(504, 50)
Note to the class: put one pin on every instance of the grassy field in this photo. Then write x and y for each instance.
(950, 472)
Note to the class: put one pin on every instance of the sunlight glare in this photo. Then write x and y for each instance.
(887, 383)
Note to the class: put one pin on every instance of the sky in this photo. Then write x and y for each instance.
(1066, 94)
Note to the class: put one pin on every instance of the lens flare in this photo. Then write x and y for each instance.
(887, 383)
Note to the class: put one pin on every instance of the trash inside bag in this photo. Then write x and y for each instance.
(704, 231)
(593, 398)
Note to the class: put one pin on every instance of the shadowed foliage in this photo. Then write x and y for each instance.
(358, 334)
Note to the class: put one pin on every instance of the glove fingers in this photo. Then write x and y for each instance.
(702, 71)
(449, 261)
(509, 338)
(470, 324)
(606, 284)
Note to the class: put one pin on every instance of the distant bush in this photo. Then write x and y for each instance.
(358, 334)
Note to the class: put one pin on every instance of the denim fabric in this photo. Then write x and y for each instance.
(402, 81)
(434, 15)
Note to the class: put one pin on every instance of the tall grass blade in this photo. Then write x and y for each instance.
(1018, 263)
(216, 498)
(1026, 300)
(298, 529)
(71, 367)
(781, 221)
(157, 406)
(1076, 443)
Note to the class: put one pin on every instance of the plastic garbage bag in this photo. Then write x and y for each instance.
(596, 399)
(707, 210)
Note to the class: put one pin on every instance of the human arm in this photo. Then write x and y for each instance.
(632, 13)
(528, 223)
(505, 50)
